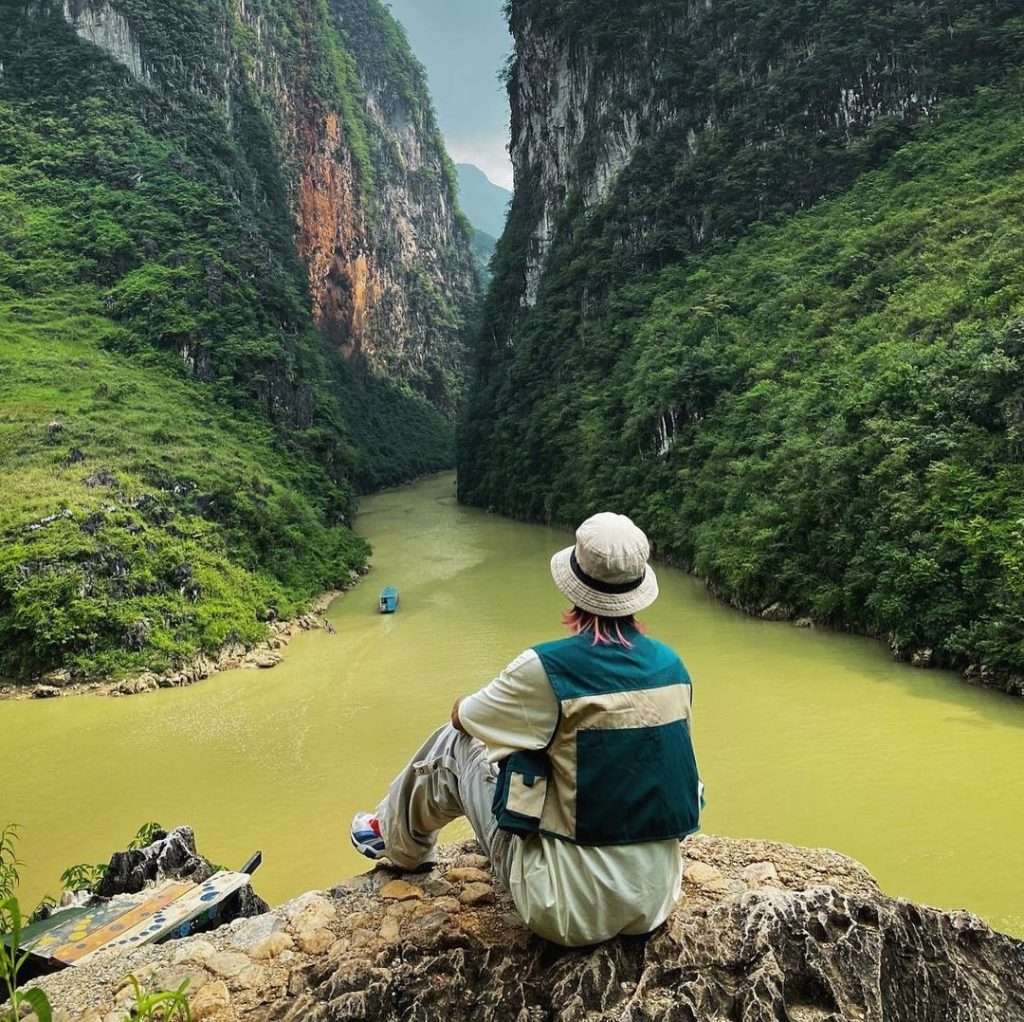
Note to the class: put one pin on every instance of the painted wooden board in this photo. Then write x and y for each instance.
(131, 916)
(78, 926)
(34, 932)
(178, 914)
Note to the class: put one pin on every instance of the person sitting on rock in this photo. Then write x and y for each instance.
(574, 766)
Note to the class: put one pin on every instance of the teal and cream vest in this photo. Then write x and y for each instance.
(620, 767)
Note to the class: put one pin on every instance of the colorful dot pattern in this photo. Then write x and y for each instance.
(90, 937)
(176, 916)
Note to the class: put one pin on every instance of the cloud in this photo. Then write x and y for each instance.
(489, 155)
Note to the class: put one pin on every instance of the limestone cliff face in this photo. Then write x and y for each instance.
(764, 932)
(390, 270)
(359, 162)
(593, 89)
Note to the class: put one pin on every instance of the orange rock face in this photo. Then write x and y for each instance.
(331, 238)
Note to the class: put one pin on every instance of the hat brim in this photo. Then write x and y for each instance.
(596, 602)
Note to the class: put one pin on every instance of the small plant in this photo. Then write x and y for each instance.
(144, 836)
(166, 1005)
(9, 862)
(12, 958)
(83, 877)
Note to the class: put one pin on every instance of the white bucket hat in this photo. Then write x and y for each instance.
(606, 572)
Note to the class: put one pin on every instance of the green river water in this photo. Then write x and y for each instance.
(803, 736)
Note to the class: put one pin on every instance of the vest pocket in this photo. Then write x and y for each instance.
(521, 791)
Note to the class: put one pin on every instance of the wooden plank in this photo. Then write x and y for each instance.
(99, 936)
(178, 914)
(34, 932)
(78, 926)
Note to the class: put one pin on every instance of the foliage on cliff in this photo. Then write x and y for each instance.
(826, 413)
(153, 309)
(142, 520)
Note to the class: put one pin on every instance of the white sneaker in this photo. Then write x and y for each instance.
(366, 836)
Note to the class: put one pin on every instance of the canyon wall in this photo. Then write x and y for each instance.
(234, 289)
(659, 338)
(366, 177)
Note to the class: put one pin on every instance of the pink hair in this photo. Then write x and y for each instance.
(607, 631)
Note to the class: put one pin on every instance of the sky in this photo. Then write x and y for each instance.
(463, 45)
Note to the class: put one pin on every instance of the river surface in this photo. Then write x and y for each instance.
(803, 736)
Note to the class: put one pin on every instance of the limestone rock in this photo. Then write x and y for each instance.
(435, 887)
(761, 874)
(764, 932)
(192, 951)
(400, 890)
(172, 855)
(314, 941)
(227, 963)
(477, 894)
(172, 978)
(273, 945)
(701, 873)
(248, 934)
(211, 1001)
(777, 612)
(468, 875)
(310, 912)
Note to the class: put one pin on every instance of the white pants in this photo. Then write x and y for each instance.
(449, 777)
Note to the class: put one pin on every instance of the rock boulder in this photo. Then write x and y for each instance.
(764, 933)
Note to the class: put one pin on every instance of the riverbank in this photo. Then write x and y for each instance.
(764, 931)
(776, 610)
(923, 658)
(234, 656)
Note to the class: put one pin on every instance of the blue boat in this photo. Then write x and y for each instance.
(389, 600)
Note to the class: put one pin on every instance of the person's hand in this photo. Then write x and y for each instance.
(456, 723)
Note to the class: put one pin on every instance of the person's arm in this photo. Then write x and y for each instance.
(456, 721)
(516, 711)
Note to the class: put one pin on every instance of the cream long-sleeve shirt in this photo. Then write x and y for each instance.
(571, 894)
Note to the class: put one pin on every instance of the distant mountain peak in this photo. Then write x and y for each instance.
(484, 202)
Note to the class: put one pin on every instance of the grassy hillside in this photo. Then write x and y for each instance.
(179, 446)
(142, 521)
(828, 413)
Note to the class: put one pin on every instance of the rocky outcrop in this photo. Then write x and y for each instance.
(372, 196)
(170, 856)
(104, 27)
(764, 932)
(590, 91)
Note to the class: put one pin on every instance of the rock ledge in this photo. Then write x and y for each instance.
(765, 932)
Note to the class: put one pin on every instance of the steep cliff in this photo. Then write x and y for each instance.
(756, 263)
(764, 932)
(233, 289)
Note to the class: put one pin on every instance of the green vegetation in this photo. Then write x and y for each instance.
(179, 447)
(83, 877)
(144, 521)
(145, 835)
(828, 413)
(87, 876)
(9, 862)
(483, 251)
(166, 1005)
(12, 959)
